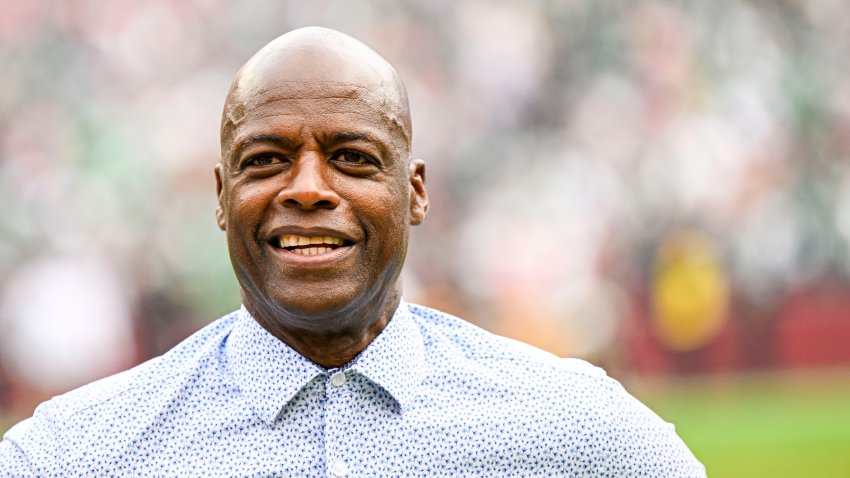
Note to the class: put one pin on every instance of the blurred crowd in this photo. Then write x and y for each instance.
(661, 187)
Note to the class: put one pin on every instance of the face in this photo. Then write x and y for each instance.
(316, 195)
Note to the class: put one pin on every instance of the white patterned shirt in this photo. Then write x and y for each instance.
(432, 395)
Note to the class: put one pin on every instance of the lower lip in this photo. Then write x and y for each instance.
(303, 259)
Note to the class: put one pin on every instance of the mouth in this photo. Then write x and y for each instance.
(309, 245)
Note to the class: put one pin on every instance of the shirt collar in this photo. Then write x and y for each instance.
(395, 360)
(271, 373)
(268, 371)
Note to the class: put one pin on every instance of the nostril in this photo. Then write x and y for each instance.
(308, 197)
(309, 204)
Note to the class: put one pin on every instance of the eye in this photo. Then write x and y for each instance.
(354, 157)
(266, 159)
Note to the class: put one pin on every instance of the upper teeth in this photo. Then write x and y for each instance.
(289, 240)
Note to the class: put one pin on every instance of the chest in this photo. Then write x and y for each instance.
(357, 429)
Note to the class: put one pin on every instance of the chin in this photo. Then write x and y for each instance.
(312, 308)
(321, 304)
(308, 307)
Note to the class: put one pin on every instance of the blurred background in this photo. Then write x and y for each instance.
(659, 187)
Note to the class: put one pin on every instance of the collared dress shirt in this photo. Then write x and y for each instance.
(432, 395)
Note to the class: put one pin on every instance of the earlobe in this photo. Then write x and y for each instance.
(418, 193)
(219, 189)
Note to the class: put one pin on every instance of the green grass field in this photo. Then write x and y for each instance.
(756, 426)
(761, 426)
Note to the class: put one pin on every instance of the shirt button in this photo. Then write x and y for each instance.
(339, 468)
(337, 380)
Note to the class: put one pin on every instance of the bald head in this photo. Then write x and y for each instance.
(312, 61)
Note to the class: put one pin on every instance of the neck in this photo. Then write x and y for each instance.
(334, 340)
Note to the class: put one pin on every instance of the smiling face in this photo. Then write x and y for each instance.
(316, 187)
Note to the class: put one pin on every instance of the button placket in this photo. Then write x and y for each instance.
(336, 416)
(338, 379)
(339, 468)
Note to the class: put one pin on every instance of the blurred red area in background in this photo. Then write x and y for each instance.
(808, 329)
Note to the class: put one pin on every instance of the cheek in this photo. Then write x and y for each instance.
(385, 212)
(383, 202)
(245, 212)
(249, 201)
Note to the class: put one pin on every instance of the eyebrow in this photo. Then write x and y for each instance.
(280, 141)
(348, 137)
(341, 137)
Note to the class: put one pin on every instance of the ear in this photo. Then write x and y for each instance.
(219, 190)
(418, 194)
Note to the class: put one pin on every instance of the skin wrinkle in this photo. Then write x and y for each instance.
(230, 125)
(392, 94)
(290, 83)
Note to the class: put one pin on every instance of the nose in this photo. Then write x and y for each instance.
(308, 189)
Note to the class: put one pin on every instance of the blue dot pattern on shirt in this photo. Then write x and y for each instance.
(431, 396)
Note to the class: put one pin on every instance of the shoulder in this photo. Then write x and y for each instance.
(564, 407)
(152, 376)
(467, 342)
(508, 373)
(118, 405)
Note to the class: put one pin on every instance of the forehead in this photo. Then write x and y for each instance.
(291, 104)
(299, 97)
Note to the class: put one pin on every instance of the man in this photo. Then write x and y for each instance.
(325, 370)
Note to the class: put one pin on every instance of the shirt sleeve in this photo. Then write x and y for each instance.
(640, 443)
(13, 461)
(32, 447)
